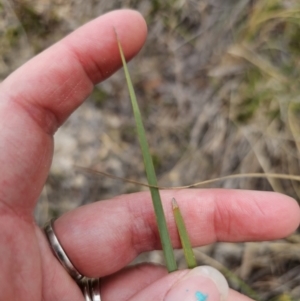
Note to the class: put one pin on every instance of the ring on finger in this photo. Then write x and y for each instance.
(91, 289)
(90, 286)
(60, 253)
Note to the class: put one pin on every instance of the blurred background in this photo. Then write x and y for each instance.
(217, 84)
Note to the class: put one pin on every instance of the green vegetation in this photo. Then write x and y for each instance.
(269, 42)
(184, 237)
(34, 22)
(12, 35)
(99, 97)
(151, 176)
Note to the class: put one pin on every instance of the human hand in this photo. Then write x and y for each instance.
(103, 237)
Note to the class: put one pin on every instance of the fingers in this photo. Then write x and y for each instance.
(38, 97)
(149, 282)
(103, 237)
(56, 82)
(202, 283)
(130, 281)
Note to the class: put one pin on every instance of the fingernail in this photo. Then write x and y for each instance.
(203, 283)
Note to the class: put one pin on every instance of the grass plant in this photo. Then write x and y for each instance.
(196, 184)
(151, 176)
(184, 237)
(264, 83)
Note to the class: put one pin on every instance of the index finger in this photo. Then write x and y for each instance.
(38, 97)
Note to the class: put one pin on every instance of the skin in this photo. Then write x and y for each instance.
(103, 237)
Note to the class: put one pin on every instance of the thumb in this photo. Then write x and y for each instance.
(203, 283)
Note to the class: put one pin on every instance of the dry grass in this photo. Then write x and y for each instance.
(218, 84)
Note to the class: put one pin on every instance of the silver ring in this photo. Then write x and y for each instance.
(91, 289)
(86, 291)
(61, 254)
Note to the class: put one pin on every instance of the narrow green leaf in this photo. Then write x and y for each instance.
(184, 238)
(151, 176)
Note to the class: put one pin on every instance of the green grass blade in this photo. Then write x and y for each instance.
(245, 288)
(184, 238)
(151, 176)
